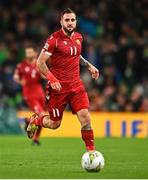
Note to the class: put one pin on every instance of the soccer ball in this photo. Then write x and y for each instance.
(92, 161)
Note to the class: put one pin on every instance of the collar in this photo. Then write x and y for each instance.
(64, 35)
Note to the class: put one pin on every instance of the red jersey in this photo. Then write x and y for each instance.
(65, 56)
(29, 73)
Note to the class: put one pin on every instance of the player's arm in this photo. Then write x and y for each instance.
(92, 69)
(43, 69)
(18, 79)
(42, 76)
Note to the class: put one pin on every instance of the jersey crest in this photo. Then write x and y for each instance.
(78, 41)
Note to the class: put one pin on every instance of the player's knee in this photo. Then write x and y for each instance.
(85, 118)
(55, 125)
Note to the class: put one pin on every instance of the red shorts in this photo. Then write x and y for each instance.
(77, 99)
(36, 101)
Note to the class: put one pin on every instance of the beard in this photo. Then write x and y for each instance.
(69, 30)
(30, 58)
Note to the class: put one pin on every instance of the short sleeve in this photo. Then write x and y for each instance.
(50, 45)
(81, 38)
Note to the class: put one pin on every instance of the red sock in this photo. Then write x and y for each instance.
(39, 121)
(88, 138)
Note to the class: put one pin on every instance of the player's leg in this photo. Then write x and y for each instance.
(79, 104)
(39, 109)
(36, 106)
(43, 121)
(86, 129)
(56, 106)
(36, 137)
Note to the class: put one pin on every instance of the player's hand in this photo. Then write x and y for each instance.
(57, 86)
(93, 71)
(53, 81)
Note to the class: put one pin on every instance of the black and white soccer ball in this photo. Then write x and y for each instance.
(93, 161)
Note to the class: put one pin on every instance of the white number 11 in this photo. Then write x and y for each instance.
(73, 50)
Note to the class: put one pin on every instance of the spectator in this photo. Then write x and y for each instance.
(116, 38)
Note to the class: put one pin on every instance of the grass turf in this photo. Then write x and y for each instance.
(59, 158)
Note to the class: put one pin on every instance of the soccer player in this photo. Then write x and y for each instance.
(27, 75)
(59, 62)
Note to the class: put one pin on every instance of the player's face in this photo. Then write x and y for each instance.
(68, 23)
(30, 53)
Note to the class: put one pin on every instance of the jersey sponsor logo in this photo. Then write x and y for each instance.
(78, 41)
(65, 42)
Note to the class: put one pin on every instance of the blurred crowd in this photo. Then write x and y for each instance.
(115, 41)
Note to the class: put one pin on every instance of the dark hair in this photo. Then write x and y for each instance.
(30, 45)
(67, 11)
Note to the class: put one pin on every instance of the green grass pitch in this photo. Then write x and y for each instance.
(59, 158)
